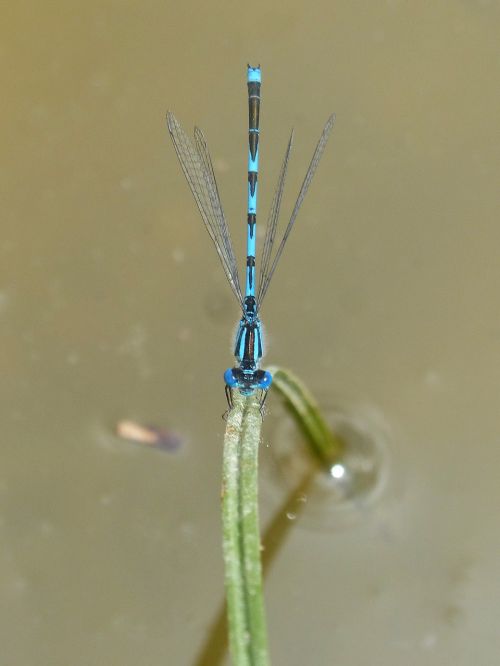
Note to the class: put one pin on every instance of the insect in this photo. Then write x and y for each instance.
(196, 164)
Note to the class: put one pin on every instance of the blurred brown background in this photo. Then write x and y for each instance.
(113, 305)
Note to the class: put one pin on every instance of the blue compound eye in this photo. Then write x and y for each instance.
(266, 381)
(230, 379)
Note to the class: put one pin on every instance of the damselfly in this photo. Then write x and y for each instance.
(196, 163)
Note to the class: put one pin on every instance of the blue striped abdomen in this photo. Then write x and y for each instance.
(253, 83)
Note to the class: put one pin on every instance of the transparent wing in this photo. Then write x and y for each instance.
(224, 237)
(271, 265)
(272, 220)
(197, 167)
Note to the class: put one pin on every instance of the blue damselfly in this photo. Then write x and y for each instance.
(196, 163)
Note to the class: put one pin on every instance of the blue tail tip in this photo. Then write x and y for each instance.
(253, 74)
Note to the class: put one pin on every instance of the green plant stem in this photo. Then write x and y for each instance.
(326, 446)
(241, 540)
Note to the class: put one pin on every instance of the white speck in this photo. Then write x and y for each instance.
(337, 471)
(126, 183)
(188, 531)
(72, 358)
(46, 528)
(221, 165)
(184, 334)
(18, 585)
(178, 255)
(433, 379)
(428, 641)
(106, 500)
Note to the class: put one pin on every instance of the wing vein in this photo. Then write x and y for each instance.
(198, 170)
(320, 147)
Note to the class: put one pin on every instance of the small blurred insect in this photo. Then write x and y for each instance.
(152, 436)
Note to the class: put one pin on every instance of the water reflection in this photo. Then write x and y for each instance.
(341, 493)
